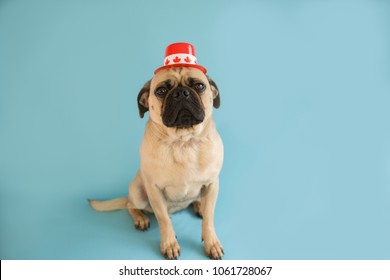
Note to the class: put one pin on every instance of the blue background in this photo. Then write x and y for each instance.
(305, 91)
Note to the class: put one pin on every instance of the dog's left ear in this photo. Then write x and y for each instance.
(215, 91)
(143, 99)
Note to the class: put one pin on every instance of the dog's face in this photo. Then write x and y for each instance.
(179, 97)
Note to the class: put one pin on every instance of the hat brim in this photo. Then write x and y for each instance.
(201, 68)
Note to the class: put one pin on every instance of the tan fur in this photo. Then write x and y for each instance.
(109, 205)
(178, 167)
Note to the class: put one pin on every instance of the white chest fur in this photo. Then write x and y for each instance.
(181, 166)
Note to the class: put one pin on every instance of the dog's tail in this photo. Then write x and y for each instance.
(109, 205)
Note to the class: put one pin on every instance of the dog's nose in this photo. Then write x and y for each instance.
(181, 93)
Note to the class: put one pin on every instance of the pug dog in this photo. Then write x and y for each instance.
(181, 157)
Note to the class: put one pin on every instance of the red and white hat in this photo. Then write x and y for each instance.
(180, 55)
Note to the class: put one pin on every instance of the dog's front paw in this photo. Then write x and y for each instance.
(170, 249)
(213, 248)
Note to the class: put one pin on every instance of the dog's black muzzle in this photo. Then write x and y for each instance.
(183, 108)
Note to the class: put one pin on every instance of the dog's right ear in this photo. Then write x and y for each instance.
(143, 99)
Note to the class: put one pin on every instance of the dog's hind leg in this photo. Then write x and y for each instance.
(138, 201)
(198, 208)
(141, 221)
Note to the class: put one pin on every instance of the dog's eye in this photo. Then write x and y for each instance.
(161, 91)
(199, 87)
